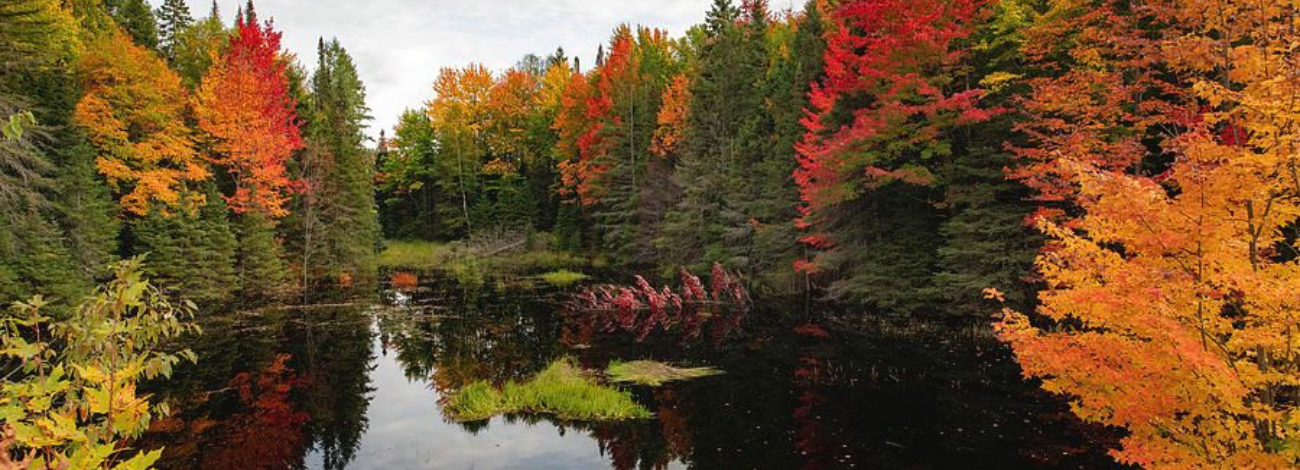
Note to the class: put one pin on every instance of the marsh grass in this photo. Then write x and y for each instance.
(465, 262)
(563, 278)
(654, 373)
(562, 390)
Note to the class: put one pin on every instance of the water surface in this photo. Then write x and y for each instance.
(361, 386)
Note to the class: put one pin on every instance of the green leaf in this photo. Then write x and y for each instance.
(141, 461)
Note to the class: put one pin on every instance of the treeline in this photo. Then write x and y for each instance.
(1133, 161)
(204, 145)
(714, 147)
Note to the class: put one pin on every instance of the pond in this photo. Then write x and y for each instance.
(364, 385)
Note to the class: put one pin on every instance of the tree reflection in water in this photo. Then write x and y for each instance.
(296, 388)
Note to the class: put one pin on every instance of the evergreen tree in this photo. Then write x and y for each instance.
(340, 170)
(727, 127)
(39, 166)
(259, 257)
(196, 45)
(414, 205)
(766, 232)
(137, 19)
(191, 254)
(173, 19)
(987, 241)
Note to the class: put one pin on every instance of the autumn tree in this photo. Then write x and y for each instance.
(606, 124)
(458, 113)
(244, 107)
(134, 111)
(1170, 292)
(881, 121)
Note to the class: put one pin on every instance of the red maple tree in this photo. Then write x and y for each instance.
(244, 104)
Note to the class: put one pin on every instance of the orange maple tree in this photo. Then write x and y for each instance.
(134, 112)
(571, 126)
(1172, 298)
(673, 116)
(245, 106)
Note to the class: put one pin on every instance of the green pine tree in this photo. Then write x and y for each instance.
(727, 130)
(173, 19)
(338, 169)
(190, 255)
(194, 46)
(137, 19)
(259, 257)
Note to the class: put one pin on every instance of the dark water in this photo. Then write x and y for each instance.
(360, 387)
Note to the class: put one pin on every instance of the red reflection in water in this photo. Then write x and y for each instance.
(641, 309)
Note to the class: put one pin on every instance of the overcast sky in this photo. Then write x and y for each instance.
(399, 45)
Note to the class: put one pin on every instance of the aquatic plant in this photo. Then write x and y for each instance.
(562, 390)
(654, 373)
(641, 309)
(563, 278)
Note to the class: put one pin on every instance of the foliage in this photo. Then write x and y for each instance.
(71, 402)
(134, 112)
(1169, 307)
(562, 389)
(641, 309)
(244, 106)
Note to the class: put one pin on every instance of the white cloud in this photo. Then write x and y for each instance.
(399, 45)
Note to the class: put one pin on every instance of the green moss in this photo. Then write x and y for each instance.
(561, 390)
(563, 278)
(654, 373)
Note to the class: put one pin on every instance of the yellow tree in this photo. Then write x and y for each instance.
(134, 111)
(1172, 302)
(459, 114)
(512, 100)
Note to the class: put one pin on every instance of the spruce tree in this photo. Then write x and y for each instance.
(42, 168)
(987, 241)
(341, 172)
(259, 257)
(727, 126)
(192, 255)
(771, 196)
(137, 19)
(173, 19)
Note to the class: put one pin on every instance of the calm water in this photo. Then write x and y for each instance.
(361, 387)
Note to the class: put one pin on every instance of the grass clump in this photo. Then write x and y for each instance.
(414, 254)
(562, 390)
(563, 278)
(460, 256)
(654, 373)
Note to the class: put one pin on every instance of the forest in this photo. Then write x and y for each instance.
(1108, 189)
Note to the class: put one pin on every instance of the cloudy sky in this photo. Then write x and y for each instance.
(399, 45)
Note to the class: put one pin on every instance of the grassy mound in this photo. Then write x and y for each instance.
(563, 278)
(561, 390)
(654, 373)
